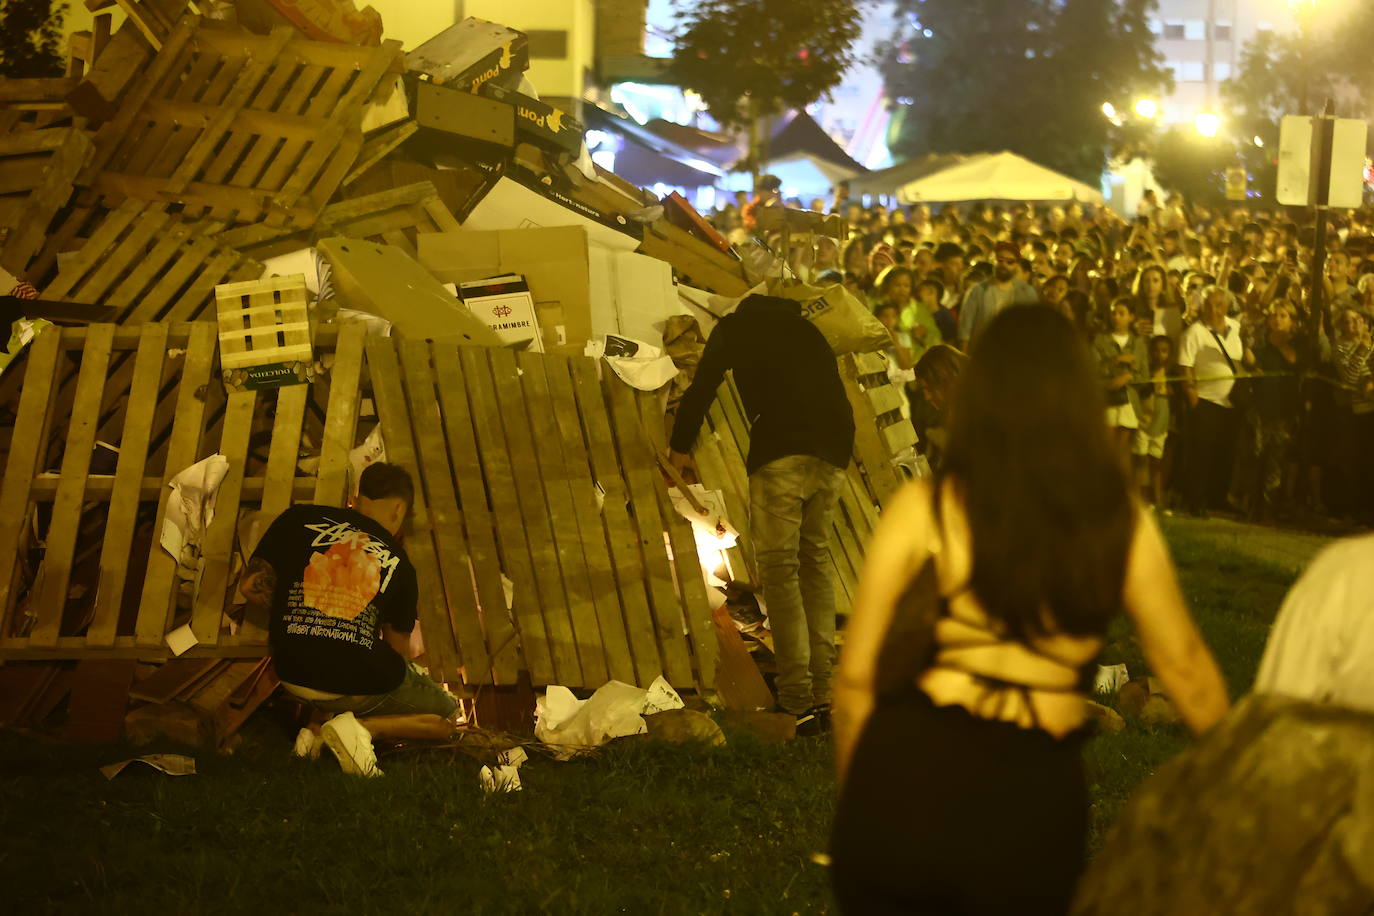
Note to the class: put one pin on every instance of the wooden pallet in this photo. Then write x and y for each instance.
(37, 168)
(33, 104)
(512, 451)
(391, 217)
(101, 584)
(148, 265)
(263, 323)
(242, 127)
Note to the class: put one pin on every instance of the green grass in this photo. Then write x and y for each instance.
(644, 828)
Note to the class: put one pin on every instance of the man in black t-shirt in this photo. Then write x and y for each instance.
(340, 595)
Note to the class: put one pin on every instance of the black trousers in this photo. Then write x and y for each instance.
(1211, 455)
(943, 812)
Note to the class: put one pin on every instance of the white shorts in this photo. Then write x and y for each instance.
(1122, 417)
(1142, 444)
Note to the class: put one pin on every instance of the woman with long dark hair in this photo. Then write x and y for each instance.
(1156, 303)
(985, 599)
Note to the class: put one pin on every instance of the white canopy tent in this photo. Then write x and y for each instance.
(997, 176)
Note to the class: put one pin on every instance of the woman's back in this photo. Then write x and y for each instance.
(1035, 682)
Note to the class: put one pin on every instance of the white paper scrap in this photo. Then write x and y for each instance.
(192, 508)
(171, 764)
(500, 779)
(1110, 678)
(181, 639)
(661, 697)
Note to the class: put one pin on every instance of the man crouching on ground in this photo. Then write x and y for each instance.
(340, 595)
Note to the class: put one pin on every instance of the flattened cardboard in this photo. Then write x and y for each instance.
(383, 280)
(470, 53)
(517, 201)
(555, 261)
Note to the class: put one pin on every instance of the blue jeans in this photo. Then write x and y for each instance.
(416, 695)
(790, 504)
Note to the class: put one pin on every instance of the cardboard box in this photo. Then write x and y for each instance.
(540, 122)
(462, 114)
(518, 201)
(555, 261)
(383, 280)
(581, 290)
(471, 53)
(505, 305)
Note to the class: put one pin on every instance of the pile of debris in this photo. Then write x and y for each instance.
(276, 248)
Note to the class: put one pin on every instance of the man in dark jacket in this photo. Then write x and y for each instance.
(801, 438)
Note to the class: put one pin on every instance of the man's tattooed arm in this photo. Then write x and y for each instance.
(259, 582)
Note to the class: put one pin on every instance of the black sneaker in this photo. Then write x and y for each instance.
(815, 721)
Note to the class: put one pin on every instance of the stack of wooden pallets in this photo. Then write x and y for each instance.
(177, 156)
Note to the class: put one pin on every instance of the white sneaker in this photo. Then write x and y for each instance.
(308, 744)
(352, 744)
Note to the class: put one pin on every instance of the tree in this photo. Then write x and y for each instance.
(973, 76)
(31, 38)
(750, 60)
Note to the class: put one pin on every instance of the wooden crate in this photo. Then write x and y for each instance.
(264, 333)
(37, 168)
(242, 127)
(98, 583)
(512, 451)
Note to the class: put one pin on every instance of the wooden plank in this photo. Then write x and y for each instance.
(341, 418)
(622, 537)
(125, 497)
(217, 545)
(592, 531)
(286, 443)
(436, 473)
(152, 223)
(503, 645)
(691, 579)
(385, 372)
(534, 511)
(22, 462)
(164, 684)
(158, 601)
(738, 681)
(505, 506)
(56, 574)
(554, 476)
(642, 475)
(378, 147)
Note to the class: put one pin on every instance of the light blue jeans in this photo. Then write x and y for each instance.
(790, 504)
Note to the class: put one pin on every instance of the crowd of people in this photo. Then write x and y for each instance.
(1225, 387)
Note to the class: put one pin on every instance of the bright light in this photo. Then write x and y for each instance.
(1207, 124)
(1259, 141)
(1147, 109)
(1109, 110)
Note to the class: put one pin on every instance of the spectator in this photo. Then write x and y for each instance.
(767, 193)
(1151, 439)
(1122, 363)
(1209, 355)
(1154, 305)
(959, 745)
(1282, 358)
(1351, 355)
(949, 261)
(984, 301)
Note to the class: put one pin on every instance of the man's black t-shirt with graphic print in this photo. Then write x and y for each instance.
(340, 576)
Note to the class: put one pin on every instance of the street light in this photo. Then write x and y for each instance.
(1109, 110)
(1147, 109)
(1207, 124)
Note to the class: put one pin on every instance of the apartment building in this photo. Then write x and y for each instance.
(1202, 40)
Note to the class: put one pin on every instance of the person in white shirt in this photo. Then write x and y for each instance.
(1209, 354)
(1322, 645)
